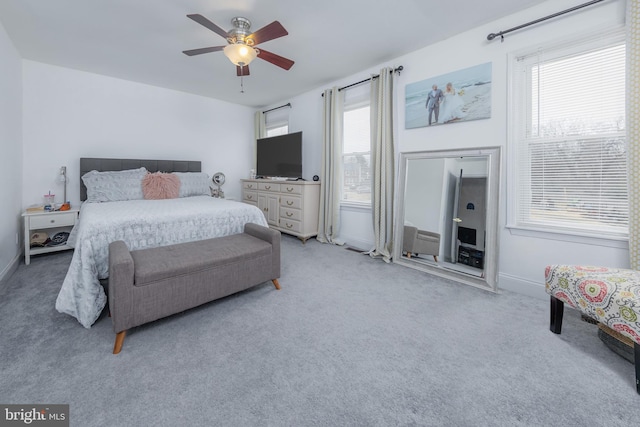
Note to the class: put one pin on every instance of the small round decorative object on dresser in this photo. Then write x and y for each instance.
(218, 179)
(316, 178)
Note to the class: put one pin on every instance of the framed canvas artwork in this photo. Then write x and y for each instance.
(459, 96)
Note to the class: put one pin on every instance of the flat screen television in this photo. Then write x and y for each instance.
(280, 156)
(467, 235)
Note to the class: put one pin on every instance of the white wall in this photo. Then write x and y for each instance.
(10, 153)
(306, 115)
(522, 258)
(424, 183)
(70, 114)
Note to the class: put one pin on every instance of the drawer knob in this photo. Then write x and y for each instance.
(289, 203)
(289, 225)
(250, 186)
(268, 187)
(289, 189)
(249, 196)
(53, 221)
(289, 214)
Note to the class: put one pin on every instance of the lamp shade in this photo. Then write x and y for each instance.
(240, 54)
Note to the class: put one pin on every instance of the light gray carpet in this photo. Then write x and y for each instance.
(349, 340)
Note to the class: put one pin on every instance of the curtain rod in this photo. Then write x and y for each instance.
(502, 33)
(395, 70)
(288, 104)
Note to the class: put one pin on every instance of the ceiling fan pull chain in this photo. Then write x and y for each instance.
(241, 84)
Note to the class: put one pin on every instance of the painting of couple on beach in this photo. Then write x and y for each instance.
(459, 96)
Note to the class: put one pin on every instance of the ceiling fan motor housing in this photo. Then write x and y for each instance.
(240, 31)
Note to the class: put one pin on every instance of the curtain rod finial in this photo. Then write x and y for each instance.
(491, 36)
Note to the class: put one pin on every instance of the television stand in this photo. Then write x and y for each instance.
(471, 256)
(289, 206)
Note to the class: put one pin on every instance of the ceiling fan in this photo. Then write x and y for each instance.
(241, 48)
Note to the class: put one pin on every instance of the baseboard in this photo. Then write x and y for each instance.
(522, 286)
(8, 271)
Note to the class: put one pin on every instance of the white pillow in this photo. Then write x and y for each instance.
(113, 186)
(193, 184)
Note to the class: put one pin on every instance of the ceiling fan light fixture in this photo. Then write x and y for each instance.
(240, 54)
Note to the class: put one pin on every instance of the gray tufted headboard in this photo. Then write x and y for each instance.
(101, 165)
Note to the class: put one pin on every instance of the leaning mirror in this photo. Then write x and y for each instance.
(447, 217)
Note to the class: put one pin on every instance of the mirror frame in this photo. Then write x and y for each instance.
(490, 279)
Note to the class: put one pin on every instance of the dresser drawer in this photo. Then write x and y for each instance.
(53, 220)
(290, 225)
(290, 202)
(290, 213)
(268, 186)
(291, 189)
(250, 196)
(250, 186)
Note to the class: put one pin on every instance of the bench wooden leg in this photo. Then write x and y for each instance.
(557, 310)
(119, 341)
(276, 284)
(636, 355)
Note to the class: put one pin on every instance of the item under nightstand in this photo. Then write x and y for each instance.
(48, 231)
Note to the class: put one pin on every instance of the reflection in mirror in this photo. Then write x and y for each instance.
(447, 214)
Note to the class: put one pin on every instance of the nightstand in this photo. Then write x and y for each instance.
(51, 222)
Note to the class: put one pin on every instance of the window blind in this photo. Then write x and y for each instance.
(571, 151)
(277, 122)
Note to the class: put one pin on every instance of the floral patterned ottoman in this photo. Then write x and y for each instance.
(609, 295)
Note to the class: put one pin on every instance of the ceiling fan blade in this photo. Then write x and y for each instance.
(242, 71)
(268, 32)
(210, 25)
(202, 50)
(275, 59)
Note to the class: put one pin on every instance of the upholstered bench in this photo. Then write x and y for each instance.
(149, 284)
(609, 295)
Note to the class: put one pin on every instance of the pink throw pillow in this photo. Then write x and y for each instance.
(160, 185)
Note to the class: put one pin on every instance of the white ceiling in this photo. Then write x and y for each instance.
(143, 40)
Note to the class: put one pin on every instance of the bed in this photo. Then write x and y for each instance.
(140, 224)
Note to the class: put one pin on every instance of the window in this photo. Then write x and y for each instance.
(277, 122)
(356, 154)
(277, 130)
(568, 131)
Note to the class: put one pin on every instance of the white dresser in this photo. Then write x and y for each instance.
(289, 206)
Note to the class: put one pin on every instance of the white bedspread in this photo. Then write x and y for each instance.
(140, 224)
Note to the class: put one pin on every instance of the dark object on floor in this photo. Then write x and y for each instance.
(617, 342)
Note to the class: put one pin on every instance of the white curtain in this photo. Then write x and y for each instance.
(382, 163)
(633, 129)
(260, 131)
(260, 125)
(331, 172)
